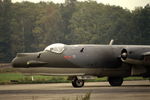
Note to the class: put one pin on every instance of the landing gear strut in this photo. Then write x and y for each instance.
(115, 81)
(77, 82)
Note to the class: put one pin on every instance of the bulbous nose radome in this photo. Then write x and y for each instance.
(19, 61)
(16, 63)
(23, 60)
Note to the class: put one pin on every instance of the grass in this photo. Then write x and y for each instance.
(79, 97)
(11, 78)
(7, 78)
(84, 97)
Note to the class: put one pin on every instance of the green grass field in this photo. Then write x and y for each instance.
(7, 78)
(14, 78)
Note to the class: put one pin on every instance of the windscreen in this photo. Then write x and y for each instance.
(56, 48)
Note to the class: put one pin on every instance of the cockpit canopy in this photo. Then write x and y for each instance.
(56, 48)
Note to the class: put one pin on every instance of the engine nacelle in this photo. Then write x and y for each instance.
(133, 58)
(124, 54)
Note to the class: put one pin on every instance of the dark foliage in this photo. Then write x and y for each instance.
(28, 27)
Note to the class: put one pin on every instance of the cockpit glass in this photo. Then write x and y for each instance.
(56, 48)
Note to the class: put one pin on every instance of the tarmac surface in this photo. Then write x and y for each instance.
(130, 90)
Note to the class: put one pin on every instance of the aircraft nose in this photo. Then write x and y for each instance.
(14, 62)
(19, 61)
(25, 60)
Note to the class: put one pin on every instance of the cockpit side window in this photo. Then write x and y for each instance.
(56, 48)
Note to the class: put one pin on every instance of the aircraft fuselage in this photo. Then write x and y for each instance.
(99, 60)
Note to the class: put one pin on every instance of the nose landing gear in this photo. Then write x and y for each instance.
(77, 82)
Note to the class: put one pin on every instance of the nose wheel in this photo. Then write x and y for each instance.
(77, 82)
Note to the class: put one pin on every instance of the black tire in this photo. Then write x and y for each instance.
(77, 83)
(115, 81)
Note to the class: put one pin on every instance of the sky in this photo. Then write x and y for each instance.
(129, 4)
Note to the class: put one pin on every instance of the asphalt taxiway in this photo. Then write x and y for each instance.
(130, 90)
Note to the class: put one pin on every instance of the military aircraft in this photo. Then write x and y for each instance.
(85, 61)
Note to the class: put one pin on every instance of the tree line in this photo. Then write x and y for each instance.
(28, 27)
